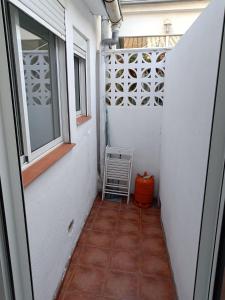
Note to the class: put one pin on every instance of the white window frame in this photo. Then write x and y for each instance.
(81, 51)
(82, 85)
(29, 156)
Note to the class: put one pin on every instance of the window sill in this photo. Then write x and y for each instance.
(82, 119)
(39, 167)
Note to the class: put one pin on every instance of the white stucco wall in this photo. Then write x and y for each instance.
(147, 20)
(187, 115)
(138, 128)
(65, 191)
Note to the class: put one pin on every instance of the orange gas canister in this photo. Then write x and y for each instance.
(144, 190)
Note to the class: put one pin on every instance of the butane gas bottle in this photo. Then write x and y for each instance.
(144, 190)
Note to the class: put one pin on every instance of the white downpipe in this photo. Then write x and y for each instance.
(111, 37)
(106, 29)
(113, 10)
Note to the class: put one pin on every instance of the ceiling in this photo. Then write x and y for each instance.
(96, 7)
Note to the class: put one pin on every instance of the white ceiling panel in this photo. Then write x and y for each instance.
(96, 7)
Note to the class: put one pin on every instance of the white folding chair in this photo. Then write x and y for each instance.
(117, 172)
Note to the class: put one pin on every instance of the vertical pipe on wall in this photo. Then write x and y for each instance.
(115, 17)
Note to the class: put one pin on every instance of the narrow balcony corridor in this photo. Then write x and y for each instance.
(121, 255)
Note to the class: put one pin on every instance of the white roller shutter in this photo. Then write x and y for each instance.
(49, 13)
(79, 44)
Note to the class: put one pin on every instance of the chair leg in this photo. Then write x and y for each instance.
(103, 186)
(103, 194)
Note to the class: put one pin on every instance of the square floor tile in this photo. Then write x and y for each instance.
(99, 239)
(108, 213)
(129, 241)
(151, 219)
(126, 226)
(104, 224)
(130, 215)
(151, 231)
(152, 288)
(97, 202)
(155, 266)
(121, 285)
(153, 246)
(75, 254)
(60, 296)
(89, 222)
(110, 204)
(126, 261)
(94, 211)
(130, 206)
(93, 256)
(82, 237)
(87, 279)
(150, 211)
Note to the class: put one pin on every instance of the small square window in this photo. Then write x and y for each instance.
(80, 49)
(80, 85)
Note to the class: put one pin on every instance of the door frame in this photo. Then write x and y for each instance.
(214, 196)
(10, 174)
(220, 264)
(6, 279)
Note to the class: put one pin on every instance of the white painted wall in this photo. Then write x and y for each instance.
(135, 126)
(147, 20)
(187, 115)
(67, 189)
(138, 128)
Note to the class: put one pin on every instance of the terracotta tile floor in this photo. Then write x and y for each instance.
(121, 255)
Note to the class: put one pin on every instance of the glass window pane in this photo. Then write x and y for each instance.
(83, 85)
(77, 83)
(40, 73)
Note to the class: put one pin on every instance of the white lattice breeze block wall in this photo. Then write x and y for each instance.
(135, 77)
